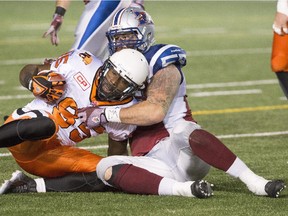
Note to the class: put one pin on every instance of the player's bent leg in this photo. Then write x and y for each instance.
(57, 161)
(283, 81)
(189, 166)
(211, 150)
(279, 60)
(15, 132)
(76, 182)
(132, 179)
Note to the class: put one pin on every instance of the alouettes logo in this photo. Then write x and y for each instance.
(82, 81)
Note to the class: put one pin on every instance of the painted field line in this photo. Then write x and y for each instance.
(238, 110)
(221, 93)
(232, 84)
(22, 61)
(229, 52)
(13, 97)
(253, 135)
(229, 136)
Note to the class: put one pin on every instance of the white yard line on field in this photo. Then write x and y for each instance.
(276, 133)
(229, 136)
(229, 52)
(13, 97)
(22, 61)
(232, 92)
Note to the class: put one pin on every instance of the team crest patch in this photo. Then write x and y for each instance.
(87, 59)
(82, 81)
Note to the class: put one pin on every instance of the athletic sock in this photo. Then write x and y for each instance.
(40, 185)
(255, 183)
(169, 186)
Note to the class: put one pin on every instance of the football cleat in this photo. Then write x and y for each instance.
(202, 189)
(19, 183)
(274, 187)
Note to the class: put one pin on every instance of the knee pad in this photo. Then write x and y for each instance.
(182, 131)
(36, 128)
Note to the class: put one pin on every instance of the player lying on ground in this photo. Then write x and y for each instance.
(42, 136)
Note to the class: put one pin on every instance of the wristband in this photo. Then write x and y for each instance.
(60, 10)
(112, 114)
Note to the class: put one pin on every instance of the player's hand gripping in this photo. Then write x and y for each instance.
(92, 116)
(54, 28)
(42, 86)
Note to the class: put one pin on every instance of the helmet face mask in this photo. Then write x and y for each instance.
(121, 75)
(127, 38)
(112, 86)
(133, 21)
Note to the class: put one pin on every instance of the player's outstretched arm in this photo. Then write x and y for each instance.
(57, 20)
(160, 94)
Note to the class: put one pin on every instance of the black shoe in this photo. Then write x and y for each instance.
(201, 189)
(19, 183)
(274, 187)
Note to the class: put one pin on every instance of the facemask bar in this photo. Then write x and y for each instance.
(115, 94)
(114, 45)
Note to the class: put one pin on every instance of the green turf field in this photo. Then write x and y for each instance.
(231, 89)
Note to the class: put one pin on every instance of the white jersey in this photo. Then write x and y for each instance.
(282, 7)
(90, 33)
(79, 69)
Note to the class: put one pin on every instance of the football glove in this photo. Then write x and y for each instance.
(41, 86)
(92, 116)
(54, 28)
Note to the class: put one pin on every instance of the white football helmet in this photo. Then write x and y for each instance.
(122, 75)
(134, 21)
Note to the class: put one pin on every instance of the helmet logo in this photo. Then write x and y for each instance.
(141, 17)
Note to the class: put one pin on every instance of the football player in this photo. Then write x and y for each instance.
(173, 136)
(42, 135)
(92, 25)
(174, 148)
(279, 58)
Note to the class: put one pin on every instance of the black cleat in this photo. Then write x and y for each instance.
(202, 189)
(19, 183)
(274, 187)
